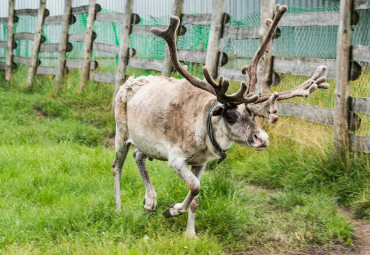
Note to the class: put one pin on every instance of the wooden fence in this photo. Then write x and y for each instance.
(343, 117)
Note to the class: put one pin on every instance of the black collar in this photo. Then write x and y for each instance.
(211, 135)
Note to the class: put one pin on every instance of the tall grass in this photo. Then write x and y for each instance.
(56, 192)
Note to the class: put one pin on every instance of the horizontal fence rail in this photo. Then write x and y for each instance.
(280, 64)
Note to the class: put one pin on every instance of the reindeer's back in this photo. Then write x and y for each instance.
(164, 112)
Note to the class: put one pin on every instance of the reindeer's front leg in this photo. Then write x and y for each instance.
(182, 169)
(190, 228)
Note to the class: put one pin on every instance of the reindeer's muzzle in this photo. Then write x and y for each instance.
(259, 140)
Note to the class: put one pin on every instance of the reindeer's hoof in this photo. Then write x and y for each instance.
(167, 213)
(150, 204)
(191, 235)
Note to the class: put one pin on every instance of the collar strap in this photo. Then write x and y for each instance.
(211, 135)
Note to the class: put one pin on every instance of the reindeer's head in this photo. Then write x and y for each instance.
(233, 115)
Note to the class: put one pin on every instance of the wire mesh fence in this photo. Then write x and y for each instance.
(295, 41)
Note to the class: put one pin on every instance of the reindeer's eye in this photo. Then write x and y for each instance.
(231, 117)
(251, 115)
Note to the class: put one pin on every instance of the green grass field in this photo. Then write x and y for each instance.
(56, 192)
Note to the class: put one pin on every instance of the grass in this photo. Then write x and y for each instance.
(56, 192)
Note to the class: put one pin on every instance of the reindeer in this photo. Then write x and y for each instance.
(188, 122)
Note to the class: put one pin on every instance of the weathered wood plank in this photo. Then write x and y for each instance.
(36, 44)
(360, 143)
(145, 29)
(240, 32)
(232, 74)
(23, 60)
(27, 36)
(30, 12)
(10, 43)
(78, 64)
(342, 111)
(310, 19)
(116, 17)
(145, 64)
(215, 33)
(58, 20)
(103, 77)
(307, 112)
(53, 47)
(80, 37)
(167, 63)
(197, 19)
(304, 66)
(264, 72)
(63, 44)
(361, 53)
(2, 66)
(110, 17)
(194, 56)
(109, 48)
(360, 105)
(123, 56)
(88, 41)
(84, 9)
(361, 4)
(46, 70)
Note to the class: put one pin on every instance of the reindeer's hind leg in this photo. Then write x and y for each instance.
(150, 199)
(122, 148)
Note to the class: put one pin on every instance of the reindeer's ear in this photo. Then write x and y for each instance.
(218, 110)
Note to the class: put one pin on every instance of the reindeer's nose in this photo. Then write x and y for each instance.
(261, 140)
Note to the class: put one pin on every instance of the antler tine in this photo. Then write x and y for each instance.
(265, 106)
(251, 69)
(266, 109)
(304, 89)
(169, 36)
(222, 87)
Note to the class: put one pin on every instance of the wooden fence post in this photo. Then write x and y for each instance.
(215, 34)
(264, 70)
(167, 65)
(10, 38)
(63, 44)
(123, 49)
(341, 115)
(36, 44)
(88, 43)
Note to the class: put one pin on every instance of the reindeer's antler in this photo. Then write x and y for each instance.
(265, 106)
(251, 69)
(220, 89)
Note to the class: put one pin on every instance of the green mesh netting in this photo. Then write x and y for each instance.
(310, 41)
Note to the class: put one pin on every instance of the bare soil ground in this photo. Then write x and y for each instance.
(110, 142)
(361, 239)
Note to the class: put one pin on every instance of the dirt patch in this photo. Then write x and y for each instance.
(337, 250)
(110, 142)
(361, 239)
(258, 188)
(362, 232)
(41, 114)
